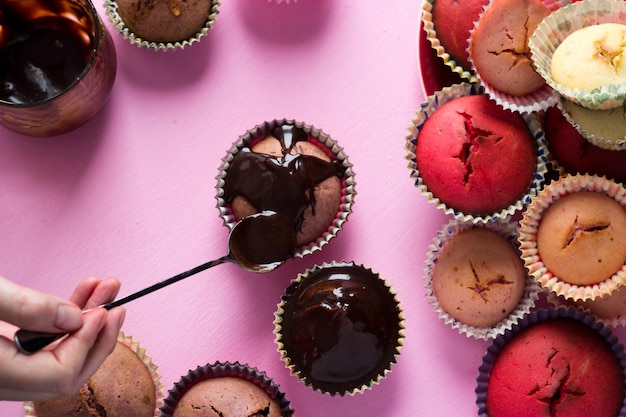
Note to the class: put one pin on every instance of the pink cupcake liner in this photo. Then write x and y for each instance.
(563, 22)
(504, 228)
(537, 101)
(535, 317)
(226, 369)
(431, 35)
(437, 100)
(530, 223)
(325, 142)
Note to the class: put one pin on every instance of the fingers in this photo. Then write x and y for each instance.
(34, 310)
(64, 369)
(92, 292)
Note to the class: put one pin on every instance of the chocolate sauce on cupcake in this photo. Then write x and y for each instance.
(283, 183)
(340, 328)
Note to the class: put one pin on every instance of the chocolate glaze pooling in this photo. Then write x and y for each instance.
(44, 48)
(283, 184)
(340, 327)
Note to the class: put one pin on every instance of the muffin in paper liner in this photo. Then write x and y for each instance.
(339, 298)
(431, 35)
(609, 310)
(605, 128)
(112, 12)
(529, 225)
(318, 138)
(506, 229)
(556, 27)
(437, 100)
(227, 369)
(128, 341)
(537, 101)
(539, 316)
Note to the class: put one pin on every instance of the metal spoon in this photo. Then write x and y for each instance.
(259, 243)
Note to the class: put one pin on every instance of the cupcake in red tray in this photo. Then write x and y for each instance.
(475, 278)
(126, 384)
(162, 24)
(447, 24)
(339, 328)
(291, 168)
(500, 55)
(225, 389)
(573, 237)
(570, 152)
(556, 362)
(472, 158)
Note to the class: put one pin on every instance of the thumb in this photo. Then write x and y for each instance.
(34, 310)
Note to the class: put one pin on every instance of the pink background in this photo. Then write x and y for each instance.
(131, 194)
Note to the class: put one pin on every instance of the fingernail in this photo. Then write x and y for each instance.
(121, 317)
(68, 318)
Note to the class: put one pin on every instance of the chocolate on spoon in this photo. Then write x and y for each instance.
(259, 243)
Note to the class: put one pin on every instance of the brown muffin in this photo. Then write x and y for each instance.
(478, 277)
(164, 20)
(499, 45)
(581, 237)
(123, 386)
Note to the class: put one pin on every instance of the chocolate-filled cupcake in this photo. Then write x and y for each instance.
(339, 328)
(293, 169)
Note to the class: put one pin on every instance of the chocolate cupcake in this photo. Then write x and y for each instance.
(293, 169)
(162, 24)
(127, 383)
(226, 389)
(555, 362)
(339, 328)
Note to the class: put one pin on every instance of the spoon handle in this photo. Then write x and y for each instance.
(28, 341)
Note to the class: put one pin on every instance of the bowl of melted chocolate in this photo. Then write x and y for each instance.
(339, 328)
(57, 65)
(290, 168)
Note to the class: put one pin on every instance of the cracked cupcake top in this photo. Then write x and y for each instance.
(476, 157)
(581, 238)
(591, 57)
(478, 277)
(556, 368)
(499, 45)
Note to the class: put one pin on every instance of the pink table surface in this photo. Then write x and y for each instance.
(131, 194)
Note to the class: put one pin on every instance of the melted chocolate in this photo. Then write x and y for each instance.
(283, 184)
(44, 47)
(263, 241)
(340, 327)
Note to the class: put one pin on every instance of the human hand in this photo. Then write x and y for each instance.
(62, 368)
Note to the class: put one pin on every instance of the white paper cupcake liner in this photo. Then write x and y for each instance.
(293, 368)
(437, 100)
(602, 309)
(507, 229)
(535, 317)
(556, 27)
(530, 224)
(128, 341)
(111, 9)
(601, 116)
(348, 191)
(431, 35)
